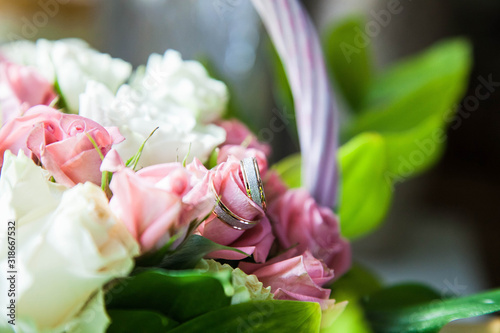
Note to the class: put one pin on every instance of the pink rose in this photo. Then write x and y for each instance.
(298, 219)
(298, 278)
(274, 187)
(240, 153)
(60, 143)
(161, 200)
(294, 277)
(237, 133)
(228, 184)
(21, 87)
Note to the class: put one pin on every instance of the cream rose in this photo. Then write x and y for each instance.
(176, 96)
(68, 246)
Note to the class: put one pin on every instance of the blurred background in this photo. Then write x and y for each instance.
(444, 226)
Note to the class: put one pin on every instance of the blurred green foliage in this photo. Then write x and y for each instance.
(352, 287)
(350, 67)
(416, 308)
(397, 119)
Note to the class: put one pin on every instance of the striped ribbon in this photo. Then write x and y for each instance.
(297, 43)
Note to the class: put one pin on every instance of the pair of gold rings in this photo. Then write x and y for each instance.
(254, 190)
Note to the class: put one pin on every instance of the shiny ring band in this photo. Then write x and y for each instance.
(230, 218)
(254, 190)
(253, 181)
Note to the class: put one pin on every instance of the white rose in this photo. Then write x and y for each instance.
(168, 80)
(176, 96)
(71, 63)
(68, 246)
(24, 52)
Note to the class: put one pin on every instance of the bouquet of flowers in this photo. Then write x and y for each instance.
(130, 204)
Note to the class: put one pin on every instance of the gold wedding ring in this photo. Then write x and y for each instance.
(254, 190)
(253, 181)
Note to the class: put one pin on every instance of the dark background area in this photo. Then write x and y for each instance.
(468, 178)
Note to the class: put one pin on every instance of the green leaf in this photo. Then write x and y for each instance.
(154, 258)
(358, 282)
(400, 133)
(399, 296)
(61, 103)
(366, 191)
(349, 64)
(134, 160)
(409, 105)
(351, 287)
(105, 176)
(414, 151)
(189, 253)
(139, 321)
(212, 159)
(259, 316)
(416, 308)
(184, 161)
(442, 70)
(96, 146)
(289, 170)
(351, 320)
(180, 295)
